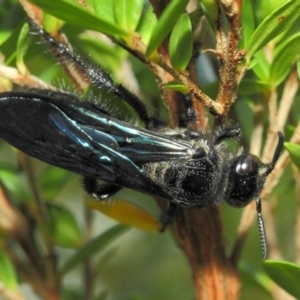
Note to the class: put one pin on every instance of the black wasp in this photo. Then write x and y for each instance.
(186, 167)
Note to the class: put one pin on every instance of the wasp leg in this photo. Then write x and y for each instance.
(190, 112)
(98, 77)
(168, 215)
(226, 133)
(101, 192)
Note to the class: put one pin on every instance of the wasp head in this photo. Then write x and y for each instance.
(246, 180)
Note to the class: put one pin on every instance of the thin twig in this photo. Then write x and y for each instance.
(290, 89)
(227, 49)
(23, 79)
(272, 129)
(257, 133)
(297, 225)
(280, 166)
(10, 294)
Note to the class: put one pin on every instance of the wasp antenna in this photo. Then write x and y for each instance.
(261, 229)
(276, 154)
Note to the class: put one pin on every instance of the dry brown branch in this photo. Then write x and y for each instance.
(227, 49)
(199, 233)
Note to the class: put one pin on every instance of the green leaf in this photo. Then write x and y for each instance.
(105, 10)
(79, 16)
(128, 13)
(284, 58)
(248, 22)
(258, 277)
(298, 68)
(261, 67)
(22, 47)
(93, 247)
(147, 23)
(250, 87)
(285, 274)
(276, 23)
(8, 275)
(294, 151)
(51, 24)
(5, 34)
(181, 43)
(165, 24)
(63, 227)
(176, 86)
(210, 10)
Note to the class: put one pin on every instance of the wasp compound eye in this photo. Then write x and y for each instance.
(246, 165)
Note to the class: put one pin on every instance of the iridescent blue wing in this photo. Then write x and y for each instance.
(77, 136)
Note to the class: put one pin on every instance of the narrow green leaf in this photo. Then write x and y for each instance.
(5, 34)
(261, 67)
(78, 16)
(258, 277)
(294, 151)
(8, 275)
(147, 23)
(210, 10)
(165, 24)
(181, 43)
(51, 23)
(250, 87)
(248, 22)
(284, 58)
(63, 227)
(105, 10)
(22, 47)
(285, 274)
(93, 247)
(298, 68)
(278, 22)
(176, 86)
(128, 13)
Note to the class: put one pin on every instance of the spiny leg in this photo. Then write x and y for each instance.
(226, 133)
(98, 77)
(190, 112)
